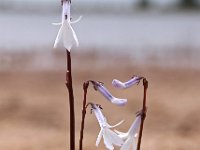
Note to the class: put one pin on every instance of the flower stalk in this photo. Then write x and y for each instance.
(85, 88)
(143, 114)
(71, 101)
(68, 38)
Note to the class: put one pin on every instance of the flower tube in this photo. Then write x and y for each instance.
(123, 85)
(99, 87)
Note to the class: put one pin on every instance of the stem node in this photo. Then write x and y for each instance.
(143, 112)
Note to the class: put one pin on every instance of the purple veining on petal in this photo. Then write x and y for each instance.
(107, 95)
(119, 102)
(132, 82)
(99, 86)
(118, 84)
(105, 92)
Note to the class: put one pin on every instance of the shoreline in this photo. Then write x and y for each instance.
(54, 60)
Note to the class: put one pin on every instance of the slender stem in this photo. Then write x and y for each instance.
(143, 115)
(71, 101)
(85, 87)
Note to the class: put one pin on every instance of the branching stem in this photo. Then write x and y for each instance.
(85, 87)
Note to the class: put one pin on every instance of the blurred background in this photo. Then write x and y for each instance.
(159, 40)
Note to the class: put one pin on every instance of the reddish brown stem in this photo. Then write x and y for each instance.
(71, 101)
(85, 87)
(143, 115)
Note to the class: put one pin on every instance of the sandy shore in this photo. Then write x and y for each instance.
(34, 104)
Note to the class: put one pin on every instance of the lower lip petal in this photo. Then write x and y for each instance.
(119, 102)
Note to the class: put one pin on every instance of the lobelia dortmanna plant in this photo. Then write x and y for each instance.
(111, 137)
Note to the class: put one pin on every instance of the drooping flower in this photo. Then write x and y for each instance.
(109, 136)
(66, 34)
(130, 136)
(99, 87)
(123, 85)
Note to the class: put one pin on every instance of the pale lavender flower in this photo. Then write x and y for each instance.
(109, 136)
(130, 136)
(99, 86)
(66, 34)
(123, 85)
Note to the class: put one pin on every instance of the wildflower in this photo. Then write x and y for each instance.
(131, 135)
(124, 85)
(66, 33)
(109, 136)
(99, 86)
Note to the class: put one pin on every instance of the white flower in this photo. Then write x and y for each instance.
(124, 85)
(130, 136)
(99, 86)
(109, 136)
(66, 33)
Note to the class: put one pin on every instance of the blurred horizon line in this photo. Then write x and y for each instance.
(78, 6)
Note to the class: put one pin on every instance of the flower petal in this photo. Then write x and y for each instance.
(69, 36)
(110, 137)
(135, 126)
(118, 84)
(134, 144)
(123, 85)
(76, 42)
(104, 92)
(122, 134)
(114, 138)
(109, 126)
(99, 86)
(127, 144)
(99, 115)
(77, 20)
(132, 132)
(59, 36)
(99, 137)
(57, 24)
(119, 102)
(66, 32)
(107, 141)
